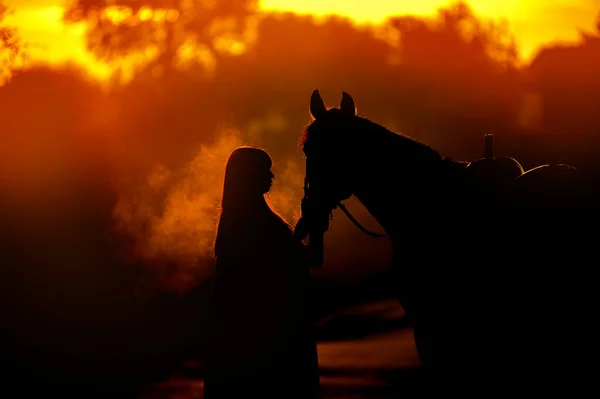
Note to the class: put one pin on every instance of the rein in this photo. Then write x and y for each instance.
(357, 224)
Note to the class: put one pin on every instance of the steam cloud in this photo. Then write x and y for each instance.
(173, 214)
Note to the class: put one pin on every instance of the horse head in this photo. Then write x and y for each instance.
(326, 142)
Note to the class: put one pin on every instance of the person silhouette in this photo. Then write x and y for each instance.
(263, 343)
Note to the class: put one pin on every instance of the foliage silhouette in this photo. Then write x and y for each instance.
(124, 27)
(565, 77)
(11, 46)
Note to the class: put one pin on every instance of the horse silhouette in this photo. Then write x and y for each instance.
(475, 269)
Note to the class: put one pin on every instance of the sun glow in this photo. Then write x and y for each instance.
(52, 42)
(533, 23)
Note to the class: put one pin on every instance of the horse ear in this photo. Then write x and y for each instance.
(347, 105)
(317, 106)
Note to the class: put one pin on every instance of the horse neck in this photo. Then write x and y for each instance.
(408, 199)
(379, 200)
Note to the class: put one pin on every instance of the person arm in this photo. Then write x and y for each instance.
(311, 254)
(312, 224)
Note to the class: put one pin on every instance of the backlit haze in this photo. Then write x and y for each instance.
(533, 23)
(147, 156)
(111, 172)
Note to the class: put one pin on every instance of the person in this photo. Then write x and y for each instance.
(263, 343)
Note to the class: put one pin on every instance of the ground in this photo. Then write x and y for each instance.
(380, 365)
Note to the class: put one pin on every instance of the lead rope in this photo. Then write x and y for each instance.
(357, 224)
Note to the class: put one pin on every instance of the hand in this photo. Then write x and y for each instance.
(305, 206)
(314, 215)
(301, 230)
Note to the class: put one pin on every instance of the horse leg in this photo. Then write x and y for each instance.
(416, 313)
(446, 346)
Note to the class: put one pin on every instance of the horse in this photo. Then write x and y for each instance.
(473, 267)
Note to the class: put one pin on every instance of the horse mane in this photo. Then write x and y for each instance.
(374, 132)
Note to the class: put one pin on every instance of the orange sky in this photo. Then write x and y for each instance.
(533, 22)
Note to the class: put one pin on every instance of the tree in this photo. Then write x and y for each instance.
(171, 33)
(458, 38)
(565, 76)
(461, 69)
(10, 46)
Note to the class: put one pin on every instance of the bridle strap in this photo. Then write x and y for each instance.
(357, 224)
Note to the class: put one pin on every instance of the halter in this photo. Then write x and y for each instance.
(357, 224)
(345, 210)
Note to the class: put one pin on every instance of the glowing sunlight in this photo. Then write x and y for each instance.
(533, 23)
(52, 42)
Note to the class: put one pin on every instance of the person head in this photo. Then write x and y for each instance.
(248, 177)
